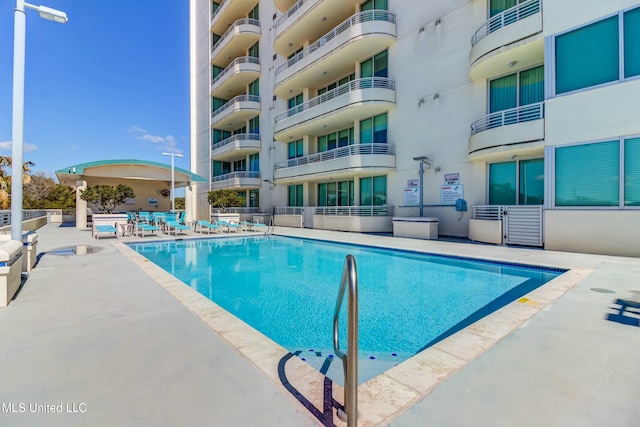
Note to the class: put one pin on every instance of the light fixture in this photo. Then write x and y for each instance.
(173, 181)
(438, 22)
(512, 64)
(324, 18)
(17, 125)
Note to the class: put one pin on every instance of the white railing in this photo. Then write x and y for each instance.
(242, 210)
(289, 210)
(509, 16)
(242, 21)
(293, 9)
(5, 216)
(349, 150)
(235, 100)
(237, 137)
(358, 84)
(240, 60)
(235, 175)
(215, 12)
(354, 210)
(358, 18)
(512, 116)
(488, 212)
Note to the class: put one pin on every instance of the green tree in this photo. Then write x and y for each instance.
(224, 199)
(5, 180)
(106, 197)
(179, 202)
(42, 192)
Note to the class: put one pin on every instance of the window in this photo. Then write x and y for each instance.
(374, 4)
(215, 71)
(376, 66)
(374, 130)
(295, 195)
(254, 51)
(294, 53)
(240, 165)
(499, 6)
(295, 149)
(588, 175)
(221, 168)
(520, 182)
(254, 162)
(335, 193)
(342, 138)
(244, 198)
(220, 135)
(632, 43)
(254, 87)
(214, 7)
(335, 84)
(373, 191)
(254, 125)
(254, 198)
(587, 56)
(217, 103)
(518, 89)
(632, 172)
(295, 101)
(255, 12)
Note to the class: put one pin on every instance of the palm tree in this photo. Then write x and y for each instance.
(5, 180)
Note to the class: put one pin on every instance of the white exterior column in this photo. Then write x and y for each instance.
(81, 206)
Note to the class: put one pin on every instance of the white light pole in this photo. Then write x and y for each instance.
(173, 178)
(17, 126)
(424, 160)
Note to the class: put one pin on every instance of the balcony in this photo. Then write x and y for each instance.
(236, 112)
(242, 179)
(235, 147)
(234, 79)
(351, 160)
(333, 55)
(240, 36)
(283, 5)
(228, 12)
(309, 20)
(511, 37)
(517, 131)
(337, 108)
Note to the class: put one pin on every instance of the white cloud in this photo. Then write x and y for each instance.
(165, 143)
(28, 148)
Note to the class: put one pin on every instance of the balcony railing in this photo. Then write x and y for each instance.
(358, 84)
(5, 216)
(234, 175)
(290, 12)
(239, 98)
(235, 210)
(289, 210)
(512, 116)
(509, 16)
(215, 12)
(369, 15)
(383, 210)
(241, 60)
(349, 150)
(232, 28)
(237, 137)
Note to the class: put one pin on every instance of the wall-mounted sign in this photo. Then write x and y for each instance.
(449, 194)
(411, 196)
(412, 183)
(130, 201)
(152, 201)
(451, 178)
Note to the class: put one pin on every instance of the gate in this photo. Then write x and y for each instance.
(523, 225)
(307, 217)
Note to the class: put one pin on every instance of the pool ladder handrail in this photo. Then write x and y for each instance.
(350, 359)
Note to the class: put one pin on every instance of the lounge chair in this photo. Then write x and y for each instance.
(108, 229)
(176, 227)
(142, 227)
(203, 223)
(230, 225)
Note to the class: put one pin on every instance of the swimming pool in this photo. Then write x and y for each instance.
(287, 287)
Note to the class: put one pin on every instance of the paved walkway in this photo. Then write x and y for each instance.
(94, 336)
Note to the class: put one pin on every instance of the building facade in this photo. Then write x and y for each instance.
(522, 115)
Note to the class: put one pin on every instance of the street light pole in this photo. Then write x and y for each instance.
(17, 123)
(173, 179)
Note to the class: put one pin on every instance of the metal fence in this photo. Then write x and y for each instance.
(349, 150)
(509, 16)
(5, 216)
(237, 61)
(512, 116)
(243, 21)
(234, 100)
(237, 137)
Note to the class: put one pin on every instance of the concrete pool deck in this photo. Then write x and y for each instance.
(94, 335)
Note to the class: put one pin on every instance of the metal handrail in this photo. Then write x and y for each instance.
(293, 9)
(353, 85)
(235, 100)
(511, 116)
(378, 210)
(358, 18)
(350, 359)
(240, 60)
(236, 137)
(232, 175)
(241, 21)
(507, 17)
(334, 153)
(289, 210)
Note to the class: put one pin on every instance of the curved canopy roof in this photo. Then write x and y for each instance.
(126, 169)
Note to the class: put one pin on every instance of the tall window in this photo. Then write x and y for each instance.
(215, 71)
(342, 138)
(254, 87)
(376, 66)
(632, 172)
(632, 43)
(221, 168)
(255, 12)
(217, 103)
(374, 130)
(254, 198)
(374, 4)
(295, 101)
(518, 89)
(240, 165)
(499, 6)
(373, 191)
(295, 195)
(295, 149)
(254, 125)
(220, 135)
(254, 51)
(520, 182)
(254, 162)
(335, 193)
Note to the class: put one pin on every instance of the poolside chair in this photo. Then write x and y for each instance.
(108, 229)
(142, 227)
(230, 225)
(176, 227)
(204, 224)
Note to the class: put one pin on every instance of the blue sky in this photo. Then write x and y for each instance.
(112, 83)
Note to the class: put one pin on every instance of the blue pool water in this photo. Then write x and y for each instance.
(287, 288)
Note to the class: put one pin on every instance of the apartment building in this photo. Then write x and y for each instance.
(522, 116)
